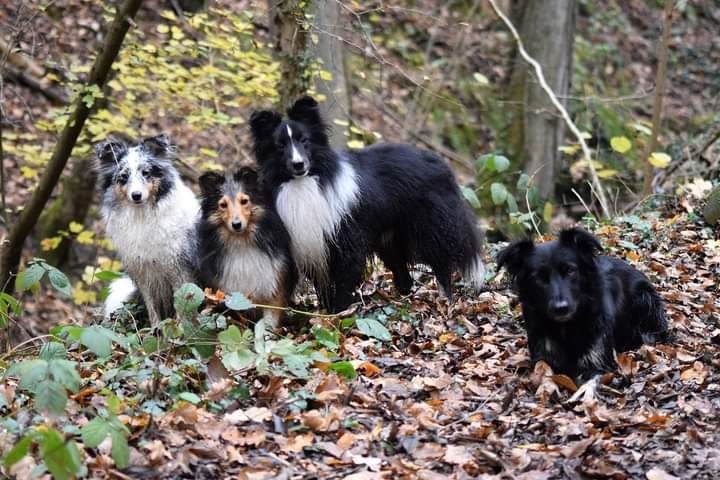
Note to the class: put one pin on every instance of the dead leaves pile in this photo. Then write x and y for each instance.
(454, 396)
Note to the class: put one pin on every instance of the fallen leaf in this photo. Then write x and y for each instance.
(657, 473)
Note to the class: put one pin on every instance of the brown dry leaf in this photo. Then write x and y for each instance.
(659, 474)
(565, 382)
(298, 442)
(696, 373)
(458, 455)
(346, 441)
(429, 451)
(626, 364)
(577, 449)
(321, 421)
(542, 377)
(252, 414)
(369, 369)
(156, 452)
(214, 297)
(219, 389)
(210, 428)
(331, 388)
(367, 476)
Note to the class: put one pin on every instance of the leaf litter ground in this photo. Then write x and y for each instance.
(452, 393)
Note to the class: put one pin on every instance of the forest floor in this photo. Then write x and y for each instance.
(451, 394)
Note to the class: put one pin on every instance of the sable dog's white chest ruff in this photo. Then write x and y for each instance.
(249, 270)
(312, 215)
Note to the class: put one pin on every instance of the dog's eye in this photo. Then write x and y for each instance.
(122, 178)
(222, 204)
(571, 271)
(244, 201)
(146, 172)
(305, 142)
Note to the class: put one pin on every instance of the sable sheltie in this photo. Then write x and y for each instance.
(244, 246)
(151, 218)
(579, 306)
(340, 207)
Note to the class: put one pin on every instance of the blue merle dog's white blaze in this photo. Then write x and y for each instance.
(150, 216)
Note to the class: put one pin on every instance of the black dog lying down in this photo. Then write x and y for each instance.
(578, 306)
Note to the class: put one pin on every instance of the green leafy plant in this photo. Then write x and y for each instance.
(30, 277)
(61, 457)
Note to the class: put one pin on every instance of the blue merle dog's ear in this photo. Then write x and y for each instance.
(158, 146)
(210, 183)
(246, 175)
(108, 152)
(514, 256)
(264, 123)
(581, 240)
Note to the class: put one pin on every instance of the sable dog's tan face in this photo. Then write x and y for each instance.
(229, 202)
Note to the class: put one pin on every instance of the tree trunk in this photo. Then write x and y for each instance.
(12, 247)
(288, 29)
(547, 30)
(329, 49)
(72, 204)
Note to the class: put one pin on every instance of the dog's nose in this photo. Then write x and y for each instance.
(298, 166)
(560, 308)
(237, 225)
(136, 196)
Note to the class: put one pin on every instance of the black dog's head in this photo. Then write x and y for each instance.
(289, 144)
(553, 277)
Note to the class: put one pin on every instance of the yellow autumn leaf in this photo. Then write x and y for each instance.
(75, 227)
(355, 144)
(569, 149)
(162, 28)
(81, 296)
(86, 237)
(620, 144)
(659, 159)
(51, 243)
(548, 210)
(607, 173)
(89, 274)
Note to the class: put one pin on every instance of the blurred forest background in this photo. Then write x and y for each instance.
(407, 385)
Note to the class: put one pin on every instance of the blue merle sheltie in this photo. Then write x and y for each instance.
(579, 306)
(151, 218)
(340, 207)
(244, 246)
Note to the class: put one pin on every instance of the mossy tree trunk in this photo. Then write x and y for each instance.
(303, 33)
(289, 31)
(535, 132)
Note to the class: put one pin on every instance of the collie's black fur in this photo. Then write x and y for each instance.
(340, 207)
(579, 306)
(244, 246)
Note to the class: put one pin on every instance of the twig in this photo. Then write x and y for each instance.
(599, 191)
(297, 312)
(660, 81)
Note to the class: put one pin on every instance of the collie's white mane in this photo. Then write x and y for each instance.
(312, 215)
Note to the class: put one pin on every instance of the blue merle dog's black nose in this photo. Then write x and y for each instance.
(136, 196)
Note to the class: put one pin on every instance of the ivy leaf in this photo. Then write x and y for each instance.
(498, 192)
(97, 340)
(119, 451)
(621, 144)
(372, 328)
(187, 299)
(50, 397)
(94, 432)
(59, 281)
(29, 277)
(18, 451)
(328, 339)
(344, 369)
(238, 302)
(470, 196)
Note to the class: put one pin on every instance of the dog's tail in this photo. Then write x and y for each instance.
(122, 290)
(474, 272)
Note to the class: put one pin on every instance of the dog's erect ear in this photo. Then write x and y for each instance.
(584, 241)
(247, 175)
(109, 151)
(513, 257)
(305, 110)
(158, 145)
(264, 123)
(210, 183)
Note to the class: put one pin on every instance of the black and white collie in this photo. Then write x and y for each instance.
(151, 218)
(244, 246)
(579, 306)
(398, 201)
